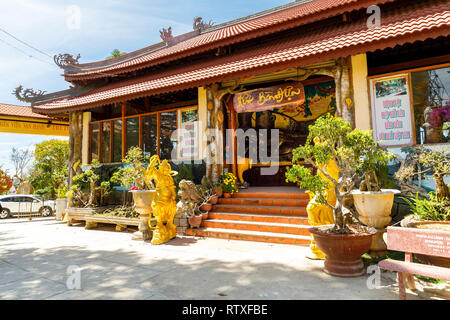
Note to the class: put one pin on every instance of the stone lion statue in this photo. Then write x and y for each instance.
(189, 198)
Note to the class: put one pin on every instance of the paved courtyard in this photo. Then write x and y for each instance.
(35, 257)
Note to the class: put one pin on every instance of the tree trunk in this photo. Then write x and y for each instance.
(441, 188)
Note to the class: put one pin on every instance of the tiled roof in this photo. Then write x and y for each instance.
(407, 25)
(296, 15)
(10, 110)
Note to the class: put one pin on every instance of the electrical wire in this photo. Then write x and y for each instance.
(25, 53)
(28, 45)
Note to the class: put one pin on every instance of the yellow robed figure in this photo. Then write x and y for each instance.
(163, 204)
(320, 214)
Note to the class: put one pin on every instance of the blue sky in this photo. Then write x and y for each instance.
(104, 25)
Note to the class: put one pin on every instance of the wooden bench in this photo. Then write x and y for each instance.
(421, 241)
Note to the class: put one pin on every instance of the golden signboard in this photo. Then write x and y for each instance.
(16, 125)
(269, 98)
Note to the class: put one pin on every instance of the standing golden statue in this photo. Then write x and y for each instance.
(163, 204)
(320, 214)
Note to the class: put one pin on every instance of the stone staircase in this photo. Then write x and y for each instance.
(265, 214)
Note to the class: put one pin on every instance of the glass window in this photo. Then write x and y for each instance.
(150, 134)
(106, 142)
(117, 141)
(168, 124)
(132, 127)
(94, 141)
(430, 90)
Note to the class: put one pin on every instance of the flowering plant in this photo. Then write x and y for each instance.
(229, 183)
(441, 115)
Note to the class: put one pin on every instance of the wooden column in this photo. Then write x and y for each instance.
(75, 143)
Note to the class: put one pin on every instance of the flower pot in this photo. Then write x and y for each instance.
(195, 221)
(205, 215)
(227, 195)
(435, 225)
(374, 209)
(61, 205)
(206, 207)
(214, 199)
(343, 251)
(143, 205)
(218, 191)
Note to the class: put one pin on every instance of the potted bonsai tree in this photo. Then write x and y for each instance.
(343, 242)
(432, 210)
(132, 175)
(373, 204)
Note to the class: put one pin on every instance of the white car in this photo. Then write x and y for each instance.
(12, 205)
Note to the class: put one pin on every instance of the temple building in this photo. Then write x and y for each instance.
(380, 64)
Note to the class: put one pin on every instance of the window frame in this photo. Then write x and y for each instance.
(407, 72)
(124, 118)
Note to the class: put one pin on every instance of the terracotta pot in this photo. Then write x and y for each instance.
(218, 191)
(206, 207)
(205, 215)
(214, 199)
(195, 221)
(435, 225)
(343, 251)
(227, 195)
(374, 209)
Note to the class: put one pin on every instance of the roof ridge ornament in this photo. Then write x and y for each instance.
(166, 35)
(27, 95)
(65, 60)
(200, 25)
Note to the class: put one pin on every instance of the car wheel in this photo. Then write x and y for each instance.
(5, 213)
(46, 211)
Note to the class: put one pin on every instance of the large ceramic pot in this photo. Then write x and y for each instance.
(143, 205)
(435, 225)
(343, 251)
(374, 209)
(61, 205)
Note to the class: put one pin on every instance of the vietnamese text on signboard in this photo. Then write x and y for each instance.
(391, 111)
(269, 98)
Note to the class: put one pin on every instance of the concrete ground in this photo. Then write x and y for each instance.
(35, 257)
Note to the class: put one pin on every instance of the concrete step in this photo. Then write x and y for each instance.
(281, 238)
(258, 217)
(271, 195)
(279, 228)
(255, 209)
(265, 202)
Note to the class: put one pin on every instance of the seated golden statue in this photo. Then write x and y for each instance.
(163, 205)
(320, 214)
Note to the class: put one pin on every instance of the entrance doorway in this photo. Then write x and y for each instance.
(290, 120)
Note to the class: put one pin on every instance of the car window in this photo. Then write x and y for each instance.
(7, 199)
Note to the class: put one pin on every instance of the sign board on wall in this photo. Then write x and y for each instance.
(269, 98)
(391, 111)
(30, 127)
(188, 147)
